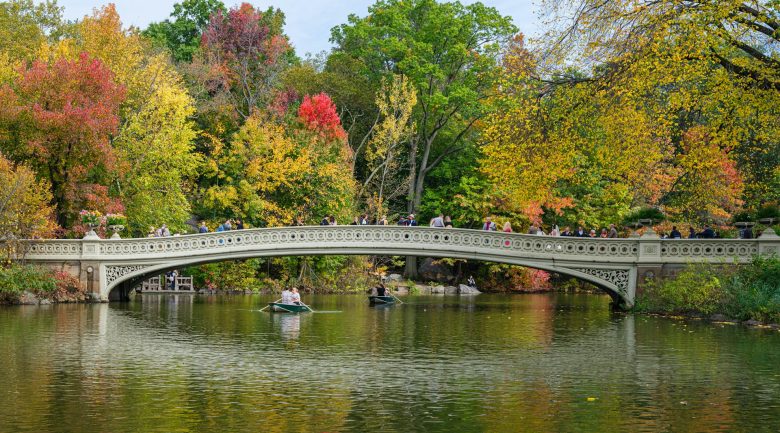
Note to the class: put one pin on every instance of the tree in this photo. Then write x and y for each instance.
(25, 203)
(58, 118)
(387, 142)
(25, 24)
(181, 35)
(154, 144)
(710, 65)
(245, 51)
(270, 174)
(448, 51)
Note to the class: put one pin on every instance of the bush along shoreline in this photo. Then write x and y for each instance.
(36, 285)
(749, 293)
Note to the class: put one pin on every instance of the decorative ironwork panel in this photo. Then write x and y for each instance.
(114, 272)
(618, 277)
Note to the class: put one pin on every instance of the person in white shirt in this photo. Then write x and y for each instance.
(295, 297)
(286, 296)
(438, 221)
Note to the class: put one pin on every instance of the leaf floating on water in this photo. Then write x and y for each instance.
(592, 399)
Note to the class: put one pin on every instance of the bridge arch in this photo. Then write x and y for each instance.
(614, 282)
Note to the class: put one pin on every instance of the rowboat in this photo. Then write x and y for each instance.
(288, 308)
(381, 299)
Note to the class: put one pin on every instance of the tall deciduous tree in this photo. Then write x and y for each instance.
(25, 203)
(245, 51)
(448, 51)
(269, 173)
(182, 33)
(708, 69)
(59, 118)
(156, 159)
(387, 144)
(25, 24)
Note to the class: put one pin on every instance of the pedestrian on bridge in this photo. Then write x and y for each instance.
(489, 225)
(438, 221)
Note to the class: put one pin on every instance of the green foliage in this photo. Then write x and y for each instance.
(25, 24)
(750, 291)
(181, 33)
(652, 213)
(228, 275)
(19, 278)
(697, 289)
(753, 292)
(769, 210)
(449, 52)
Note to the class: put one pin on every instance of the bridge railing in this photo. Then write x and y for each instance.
(420, 239)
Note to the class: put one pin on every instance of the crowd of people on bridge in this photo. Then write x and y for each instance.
(445, 221)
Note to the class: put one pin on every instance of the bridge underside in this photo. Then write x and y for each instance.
(618, 281)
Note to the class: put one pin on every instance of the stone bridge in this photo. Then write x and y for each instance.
(109, 268)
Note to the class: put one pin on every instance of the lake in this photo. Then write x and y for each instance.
(486, 363)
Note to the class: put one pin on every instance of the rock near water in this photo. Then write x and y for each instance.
(467, 290)
(432, 270)
(28, 298)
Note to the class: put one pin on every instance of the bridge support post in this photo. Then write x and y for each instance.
(649, 267)
(769, 243)
(90, 279)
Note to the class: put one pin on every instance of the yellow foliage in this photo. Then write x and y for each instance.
(25, 210)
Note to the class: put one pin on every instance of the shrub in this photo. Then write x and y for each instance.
(16, 279)
(751, 291)
(67, 288)
(644, 213)
(697, 290)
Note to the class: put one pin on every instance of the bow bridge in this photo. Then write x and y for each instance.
(109, 268)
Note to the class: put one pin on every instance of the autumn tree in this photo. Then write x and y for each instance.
(181, 33)
(25, 203)
(25, 24)
(244, 50)
(448, 51)
(157, 164)
(708, 69)
(271, 173)
(386, 144)
(59, 118)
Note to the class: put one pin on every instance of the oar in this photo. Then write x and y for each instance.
(310, 309)
(263, 309)
(395, 297)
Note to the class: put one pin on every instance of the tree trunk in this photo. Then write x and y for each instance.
(411, 267)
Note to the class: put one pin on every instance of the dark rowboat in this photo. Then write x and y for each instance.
(381, 299)
(288, 308)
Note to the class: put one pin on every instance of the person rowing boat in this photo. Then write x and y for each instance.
(290, 303)
(381, 295)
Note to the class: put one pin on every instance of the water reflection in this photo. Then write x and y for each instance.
(487, 363)
(289, 325)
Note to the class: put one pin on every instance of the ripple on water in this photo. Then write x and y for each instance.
(490, 363)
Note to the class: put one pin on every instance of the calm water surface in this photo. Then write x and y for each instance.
(436, 364)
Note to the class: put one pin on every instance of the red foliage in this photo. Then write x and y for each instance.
(64, 114)
(67, 289)
(243, 53)
(282, 101)
(238, 35)
(319, 114)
